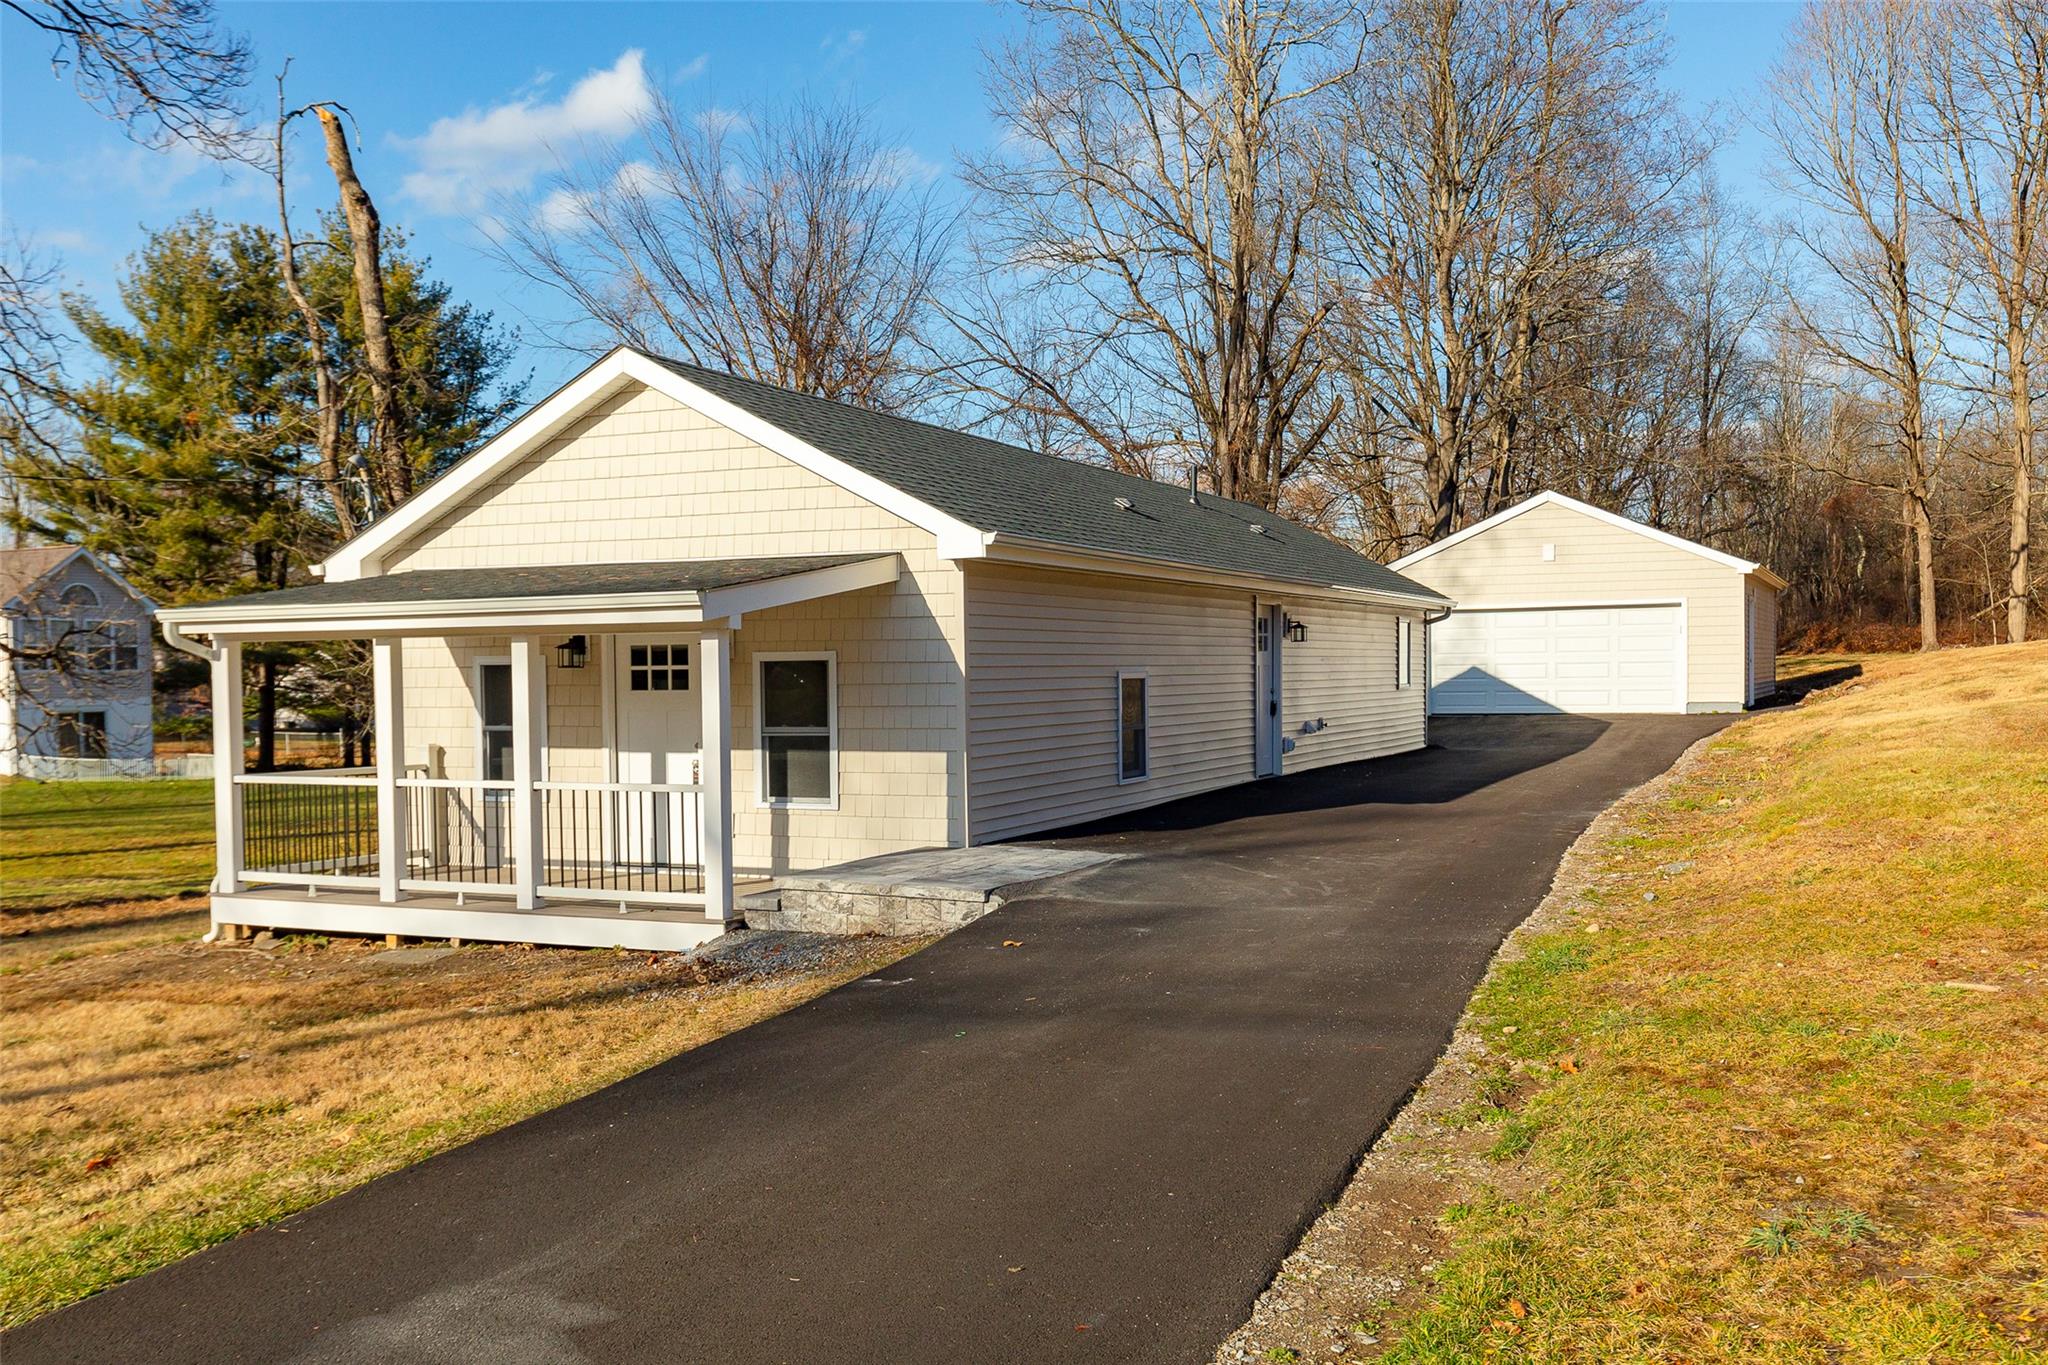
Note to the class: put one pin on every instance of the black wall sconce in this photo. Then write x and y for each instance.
(1297, 631)
(573, 652)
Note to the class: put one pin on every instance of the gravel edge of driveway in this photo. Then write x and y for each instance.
(1373, 1250)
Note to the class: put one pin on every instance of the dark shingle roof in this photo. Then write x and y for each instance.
(21, 569)
(1016, 492)
(421, 586)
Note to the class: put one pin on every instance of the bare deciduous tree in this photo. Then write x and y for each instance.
(31, 349)
(1507, 166)
(163, 69)
(1841, 113)
(1151, 230)
(1984, 73)
(797, 247)
(390, 462)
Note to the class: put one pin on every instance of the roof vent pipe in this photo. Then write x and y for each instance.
(1126, 504)
(1195, 485)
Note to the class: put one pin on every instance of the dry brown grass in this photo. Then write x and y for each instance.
(159, 1095)
(1766, 1080)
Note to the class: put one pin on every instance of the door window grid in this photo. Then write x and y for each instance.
(658, 668)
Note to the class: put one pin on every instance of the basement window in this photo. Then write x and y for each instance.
(1134, 758)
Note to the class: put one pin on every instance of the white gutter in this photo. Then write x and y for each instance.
(1021, 550)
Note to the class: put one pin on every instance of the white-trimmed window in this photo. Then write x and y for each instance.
(494, 719)
(1133, 728)
(1404, 652)
(81, 734)
(796, 706)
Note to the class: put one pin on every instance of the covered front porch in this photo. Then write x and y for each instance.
(470, 825)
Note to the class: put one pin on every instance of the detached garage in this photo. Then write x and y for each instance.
(1565, 607)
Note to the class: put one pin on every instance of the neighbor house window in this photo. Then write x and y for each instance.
(111, 645)
(1404, 653)
(1133, 742)
(799, 751)
(81, 734)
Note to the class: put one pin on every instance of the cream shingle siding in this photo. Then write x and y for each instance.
(1596, 562)
(1044, 651)
(645, 478)
(1343, 675)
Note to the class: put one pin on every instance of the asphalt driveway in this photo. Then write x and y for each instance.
(1095, 1146)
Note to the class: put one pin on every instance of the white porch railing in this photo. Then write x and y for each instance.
(625, 842)
(309, 829)
(400, 831)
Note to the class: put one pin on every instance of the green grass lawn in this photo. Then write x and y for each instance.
(65, 844)
(1778, 1090)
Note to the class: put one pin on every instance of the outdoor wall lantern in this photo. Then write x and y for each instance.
(573, 652)
(1297, 631)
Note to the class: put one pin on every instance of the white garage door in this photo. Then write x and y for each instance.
(1560, 659)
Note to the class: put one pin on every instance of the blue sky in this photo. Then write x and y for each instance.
(458, 102)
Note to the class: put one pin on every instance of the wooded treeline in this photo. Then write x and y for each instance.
(1389, 266)
(1393, 266)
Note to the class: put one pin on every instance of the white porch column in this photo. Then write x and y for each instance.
(714, 686)
(527, 682)
(227, 763)
(389, 676)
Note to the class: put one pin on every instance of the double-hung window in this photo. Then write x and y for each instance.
(1133, 750)
(81, 734)
(494, 719)
(798, 713)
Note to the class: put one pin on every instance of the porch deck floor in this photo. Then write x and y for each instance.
(475, 917)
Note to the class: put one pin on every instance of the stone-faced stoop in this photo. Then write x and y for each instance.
(851, 912)
(924, 891)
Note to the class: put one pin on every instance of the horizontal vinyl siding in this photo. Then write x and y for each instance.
(1344, 674)
(1763, 640)
(1597, 562)
(1044, 650)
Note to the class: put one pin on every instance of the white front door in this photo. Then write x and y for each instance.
(1268, 630)
(659, 733)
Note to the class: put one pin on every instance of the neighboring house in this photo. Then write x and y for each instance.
(674, 629)
(75, 693)
(1565, 607)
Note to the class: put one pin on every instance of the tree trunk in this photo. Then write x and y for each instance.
(2019, 572)
(392, 470)
(326, 393)
(266, 715)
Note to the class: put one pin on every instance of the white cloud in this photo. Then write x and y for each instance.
(693, 68)
(843, 47)
(715, 121)
(465, 159)
(901, 166)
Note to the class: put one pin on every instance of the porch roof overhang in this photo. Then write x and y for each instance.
(532, 598)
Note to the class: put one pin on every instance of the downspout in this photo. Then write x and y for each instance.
(177, 639)
(1428, 620)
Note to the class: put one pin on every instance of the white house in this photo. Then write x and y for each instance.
(673, 630)
(75, 696)
(1563, 606)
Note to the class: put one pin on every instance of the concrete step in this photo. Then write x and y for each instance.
(919, 892)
